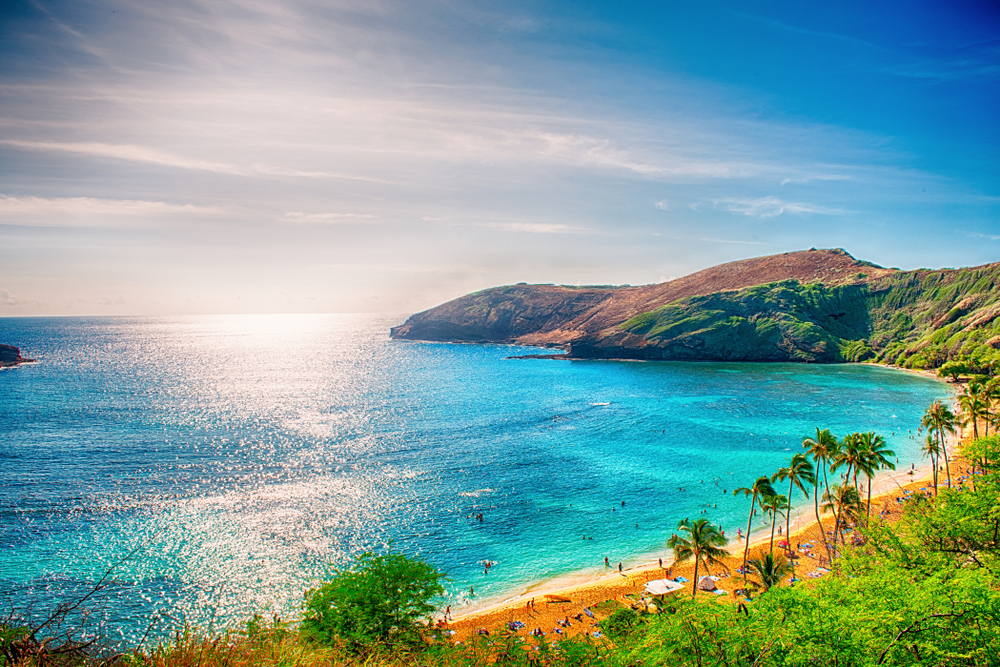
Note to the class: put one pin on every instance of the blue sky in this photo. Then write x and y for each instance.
(205, 156)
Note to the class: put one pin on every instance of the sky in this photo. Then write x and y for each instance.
(268, 156)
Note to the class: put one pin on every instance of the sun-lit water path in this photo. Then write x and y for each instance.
(235, 457)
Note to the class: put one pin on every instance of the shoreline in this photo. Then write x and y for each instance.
(886, 486)
(558, 603)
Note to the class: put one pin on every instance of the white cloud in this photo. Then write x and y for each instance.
(535, 227)
(771, 207)
(90, 211)
(298, 217)
(663, 204)
(8, 299)
(991, 237)
(153, 156)
(737, 242)
(809, 179)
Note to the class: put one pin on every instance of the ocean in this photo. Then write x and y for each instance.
(209, 468)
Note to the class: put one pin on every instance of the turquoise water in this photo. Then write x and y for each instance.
(219, 465)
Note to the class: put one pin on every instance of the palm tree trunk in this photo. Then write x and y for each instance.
(836, 524)
(819, 522)
(774, 522)
(869, 512)
(944, 450)
(826, 482)
(694, 587)
(934, 470)
(746, 549)
(788, 525)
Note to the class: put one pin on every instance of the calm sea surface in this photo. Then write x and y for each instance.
(218, 465)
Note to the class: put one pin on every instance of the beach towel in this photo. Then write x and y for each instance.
(683, 580)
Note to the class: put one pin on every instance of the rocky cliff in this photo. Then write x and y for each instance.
(814, 306)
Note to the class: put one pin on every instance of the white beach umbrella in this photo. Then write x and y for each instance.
(663, 587)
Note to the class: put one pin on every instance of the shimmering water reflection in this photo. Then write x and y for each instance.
(237, 457)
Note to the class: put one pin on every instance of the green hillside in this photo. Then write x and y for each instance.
(918, 319)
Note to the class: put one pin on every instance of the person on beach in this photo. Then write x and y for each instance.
(619, 567)
(661, 563)
(447, 613)
(606, 563)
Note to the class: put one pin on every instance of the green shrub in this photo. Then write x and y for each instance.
(379, 601)
(621, 623)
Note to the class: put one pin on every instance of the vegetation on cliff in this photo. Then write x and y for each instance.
(915, 320)
(824, 306)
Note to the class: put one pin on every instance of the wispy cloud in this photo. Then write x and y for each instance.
(299, 217)
(75, 211)
(154, 156)
(535, 227)
(771, 207)
(810, 179)
(706, 240)
(989, 237)
(663, 204)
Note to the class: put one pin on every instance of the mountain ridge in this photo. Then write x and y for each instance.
(811, 306)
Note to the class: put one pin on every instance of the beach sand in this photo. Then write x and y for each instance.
(543, 605)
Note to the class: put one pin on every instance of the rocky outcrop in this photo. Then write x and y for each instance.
(11, 356)
(813, 306)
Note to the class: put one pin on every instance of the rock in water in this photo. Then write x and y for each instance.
(11, 356)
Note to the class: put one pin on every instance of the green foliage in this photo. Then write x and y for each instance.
(379, 601)
(919, 320)
(952, 369)
(923, 592)
(768, 570)
(621, 623)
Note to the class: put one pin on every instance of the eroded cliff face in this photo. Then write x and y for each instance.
(811, 306)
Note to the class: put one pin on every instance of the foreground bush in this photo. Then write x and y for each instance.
(381, 600)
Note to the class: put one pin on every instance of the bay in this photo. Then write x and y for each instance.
(219, 466)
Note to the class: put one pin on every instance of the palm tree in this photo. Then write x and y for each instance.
(703, 543)
(798, 473)
(822, 448)
(851, 454)
(991, 396)
(774, 505)
(940, 420)
(975, 406)
(932, 449)
(845, 501)
(761, 487)
(770, 570)
(876, 457)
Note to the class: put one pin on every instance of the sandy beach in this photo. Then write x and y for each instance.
(575, 604)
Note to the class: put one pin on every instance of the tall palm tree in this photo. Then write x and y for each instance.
(761, 487)
(876, 457)
(849, 454)
(799, 472)
(973, 403)
(822, 448)
(939, 419)
(704, 543)
(931, 449)
(991, 395)
(774, 505)
(845, 501)
(770, 570)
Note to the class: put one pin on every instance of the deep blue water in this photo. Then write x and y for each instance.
(236, 457)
